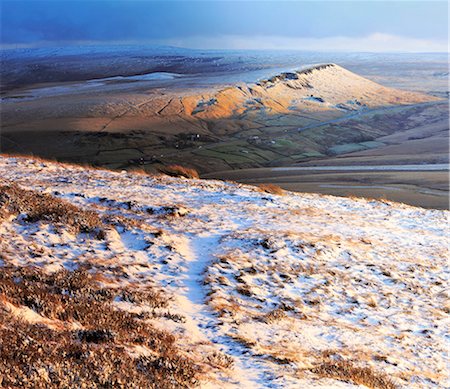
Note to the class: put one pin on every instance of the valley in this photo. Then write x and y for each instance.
(230, 116)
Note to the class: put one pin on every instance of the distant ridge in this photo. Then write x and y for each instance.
(316, 88)
(294, 75)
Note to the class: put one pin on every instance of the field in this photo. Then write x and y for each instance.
(424, 143)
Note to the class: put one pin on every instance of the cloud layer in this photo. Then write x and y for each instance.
(308, 25)
(377, 42)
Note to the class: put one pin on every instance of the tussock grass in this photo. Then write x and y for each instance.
(148, 296)
(180, 171)
(220, 360)
(347, 371)
(34, 356)
(274, 316)
(42, 206)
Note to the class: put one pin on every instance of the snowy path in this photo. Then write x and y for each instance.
(199, 253)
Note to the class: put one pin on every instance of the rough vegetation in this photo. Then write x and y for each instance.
(180, 171)
(42, 206)
(82, 340)
(271, 188)
(347, 371)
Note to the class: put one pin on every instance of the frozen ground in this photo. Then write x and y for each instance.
(289, 288)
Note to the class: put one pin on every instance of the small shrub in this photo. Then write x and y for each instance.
(180, 171)
(95, 336)
(219, 359)
(177, 318)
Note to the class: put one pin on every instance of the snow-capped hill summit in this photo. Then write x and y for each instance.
(315, 88)
(292, 290)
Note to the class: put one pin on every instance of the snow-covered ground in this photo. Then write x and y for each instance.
(284, 285)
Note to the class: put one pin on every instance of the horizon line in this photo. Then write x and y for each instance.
(92, 44)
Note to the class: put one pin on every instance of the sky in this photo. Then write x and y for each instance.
(411, 26)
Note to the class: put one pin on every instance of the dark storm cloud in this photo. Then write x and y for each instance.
(37, 21)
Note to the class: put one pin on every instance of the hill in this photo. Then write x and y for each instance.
(160, 118)
(118, 278)
(321, 87)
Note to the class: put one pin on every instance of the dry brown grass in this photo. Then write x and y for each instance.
(271, 188)
(381, 199)
(42, 206)
(34, 356)
(347, 371)
(274, 316)
(95, 354)
(249, 343)
(180, 171)
(139, 171)
(245, 290)
(225, 308)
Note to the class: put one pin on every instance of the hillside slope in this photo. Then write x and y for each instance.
(321, 87)
(285, 119)
(262, 290)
